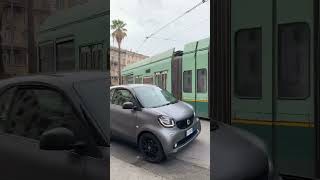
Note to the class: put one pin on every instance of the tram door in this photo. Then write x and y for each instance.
(195, 76)
(272, 78)
(201, 70)
(293, 128)
(188, 73)
(251, 63)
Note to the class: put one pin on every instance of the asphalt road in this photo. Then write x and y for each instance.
(193, 162)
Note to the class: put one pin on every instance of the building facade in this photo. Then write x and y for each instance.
(127, 57)
(19, 25)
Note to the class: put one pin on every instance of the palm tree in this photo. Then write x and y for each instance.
(119, 33)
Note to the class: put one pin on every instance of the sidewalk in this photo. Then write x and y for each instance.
(120, 170)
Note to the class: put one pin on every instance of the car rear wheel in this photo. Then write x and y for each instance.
(151, 148)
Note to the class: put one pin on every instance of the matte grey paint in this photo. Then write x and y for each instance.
(128, 124)
(21, 158)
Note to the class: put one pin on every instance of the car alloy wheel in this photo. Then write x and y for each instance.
(151, 148)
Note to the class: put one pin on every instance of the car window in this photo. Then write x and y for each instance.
(122, 96)
(34, 111)
(5, 100)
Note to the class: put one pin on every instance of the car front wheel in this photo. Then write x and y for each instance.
(151, 148)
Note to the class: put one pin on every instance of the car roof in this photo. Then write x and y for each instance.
(58, 79)
(131, 86)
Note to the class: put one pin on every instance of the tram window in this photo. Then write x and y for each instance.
(187, 81)
(293, 64)
(46, 54)
(91, 57)
(124, 79)
(138, 80)
(157, 79)
(85, 56)
(130, 79)
(161, 79)
(164, 80)
(97, 57)
(148, 80)
(65, 56)
(248, 57)
(202, 80)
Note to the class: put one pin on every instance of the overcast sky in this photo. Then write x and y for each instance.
(144, 17)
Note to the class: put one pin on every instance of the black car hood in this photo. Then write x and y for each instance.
(237, 155)
(178, 111)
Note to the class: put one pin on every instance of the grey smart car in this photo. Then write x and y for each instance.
(153, 119)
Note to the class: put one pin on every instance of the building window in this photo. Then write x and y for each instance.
(46, 55)
(19, 57)
(6, 58)
(202, 80)
(65, 56)
(187, 81)
(248, 59)
(293, 64)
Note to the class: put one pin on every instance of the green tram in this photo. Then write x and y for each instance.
(75, 39)
(269, 51)
(184, 74)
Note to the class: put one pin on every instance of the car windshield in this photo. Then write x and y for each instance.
(152, 97)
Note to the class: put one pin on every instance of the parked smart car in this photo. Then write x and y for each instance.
(55, 127)
(153, 119)
(237, 154)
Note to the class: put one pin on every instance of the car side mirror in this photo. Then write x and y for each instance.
(57, 139)
(128, 105)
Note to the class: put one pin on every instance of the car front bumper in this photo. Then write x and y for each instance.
(174, 139)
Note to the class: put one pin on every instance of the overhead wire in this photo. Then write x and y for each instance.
(169, 23)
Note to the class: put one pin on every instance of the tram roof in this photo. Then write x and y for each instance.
(75, 14)
(159, 57)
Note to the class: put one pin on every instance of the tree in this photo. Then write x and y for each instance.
(119, 33)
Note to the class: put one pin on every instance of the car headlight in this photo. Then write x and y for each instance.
(166, 121)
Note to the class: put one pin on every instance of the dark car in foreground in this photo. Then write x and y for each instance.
(238, 155)
(153, 119)
(55, 127)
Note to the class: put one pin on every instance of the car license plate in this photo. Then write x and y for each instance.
(190, 131)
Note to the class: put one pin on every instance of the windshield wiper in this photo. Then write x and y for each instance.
(173, 102)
